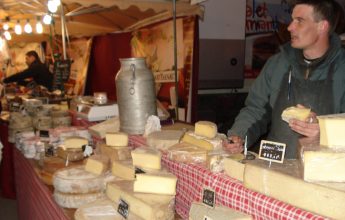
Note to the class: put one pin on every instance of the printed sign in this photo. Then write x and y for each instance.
(272, 151)
(62, 70)
(44, 133)
(123, 208)
(208, 197)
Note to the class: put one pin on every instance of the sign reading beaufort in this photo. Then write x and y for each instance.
(272, 151)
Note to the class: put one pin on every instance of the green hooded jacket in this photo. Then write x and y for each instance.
(254, 119)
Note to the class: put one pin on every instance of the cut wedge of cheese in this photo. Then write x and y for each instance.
(97, 164)
(332, 130)
(206, 129)
(144, 157)
(327, 199)
(158, 183)
(116, 139)
(115, 153)
(75, 142)
(295, 113)
(163, 139)
(123, 169)
(146, 206)
(199, 211)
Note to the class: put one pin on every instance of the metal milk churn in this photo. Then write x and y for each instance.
(136, 97)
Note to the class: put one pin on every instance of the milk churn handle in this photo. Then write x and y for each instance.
(131, 89)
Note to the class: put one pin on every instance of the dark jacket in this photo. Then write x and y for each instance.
(37, 71)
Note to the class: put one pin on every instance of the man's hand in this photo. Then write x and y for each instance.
(234, 144)
(309, 128)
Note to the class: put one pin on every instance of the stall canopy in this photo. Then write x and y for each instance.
(95, 17)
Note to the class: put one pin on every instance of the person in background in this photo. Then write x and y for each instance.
(36, 70)
(308, 72)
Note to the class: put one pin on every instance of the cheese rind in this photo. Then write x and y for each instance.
(146, 206)
(158, 183)
(74, 201)
(116, 139)
(187, 153)
(206, 129)
(149, 158)
(123, 169)
(327, 199)
(75, 142)
(97, 164)
(332, 130)
(115, 153)
(199, 211)
(295, 113)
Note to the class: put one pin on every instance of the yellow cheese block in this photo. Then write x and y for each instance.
(123, 169)
(116, 139)
(321, 163)
(144, 157)
(284, 182)
(189, 138)
(332, 130)
(157, 183)
(146, 206)
(75, 142)
(295, 113)
(206, 129)
(97, 164)
(234, 167)
(115, 153)
(199, 211)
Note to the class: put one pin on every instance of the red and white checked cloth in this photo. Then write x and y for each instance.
(229, 192)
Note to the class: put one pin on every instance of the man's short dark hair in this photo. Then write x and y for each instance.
(33, 54)
(328, 10)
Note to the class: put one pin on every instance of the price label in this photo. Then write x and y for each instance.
(272, 151)
(44, 133)
(209, 197)
(138, 170)
(123, 208)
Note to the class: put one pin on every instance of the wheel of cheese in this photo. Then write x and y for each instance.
(77, 180)
(163, 139)
(74, 201)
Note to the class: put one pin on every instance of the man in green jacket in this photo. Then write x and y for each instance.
(308, 72)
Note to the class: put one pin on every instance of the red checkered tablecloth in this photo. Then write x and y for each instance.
(229, 192)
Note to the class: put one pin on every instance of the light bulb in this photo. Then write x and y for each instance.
(47, 19)
(52, 6)
(39, 27)
(18, 29)
(7, 35)
(27, 27)
(6, 26)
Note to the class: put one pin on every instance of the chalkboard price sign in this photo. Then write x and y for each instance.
(62, 70)
(272, 151)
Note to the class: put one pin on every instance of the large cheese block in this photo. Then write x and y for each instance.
(321, 163)
(215, 143)
(234, 167)
(110, 125)
(206, 129)
(115, 153)
(72, 154)
(187, 153)
(74, 201)
(116, 139)
(199, 211)
(101, 209)
(123, 169)
(332, 130)
(163, 139)
(77, 180)
(149, 158)
(75, 142)
(295, 113)
(97, 164)
(157, 183)
(284, 182)
(146, 206)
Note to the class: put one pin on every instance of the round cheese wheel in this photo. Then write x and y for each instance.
(76, 200)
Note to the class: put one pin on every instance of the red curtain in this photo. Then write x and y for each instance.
(104, 63)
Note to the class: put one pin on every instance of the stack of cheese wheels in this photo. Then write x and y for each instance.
(18, 123)
(148, 189)
(75, 187)
(71, 149)
(60, 118)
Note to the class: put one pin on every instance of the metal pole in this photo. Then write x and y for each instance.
(63, 32)
(175, 58)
